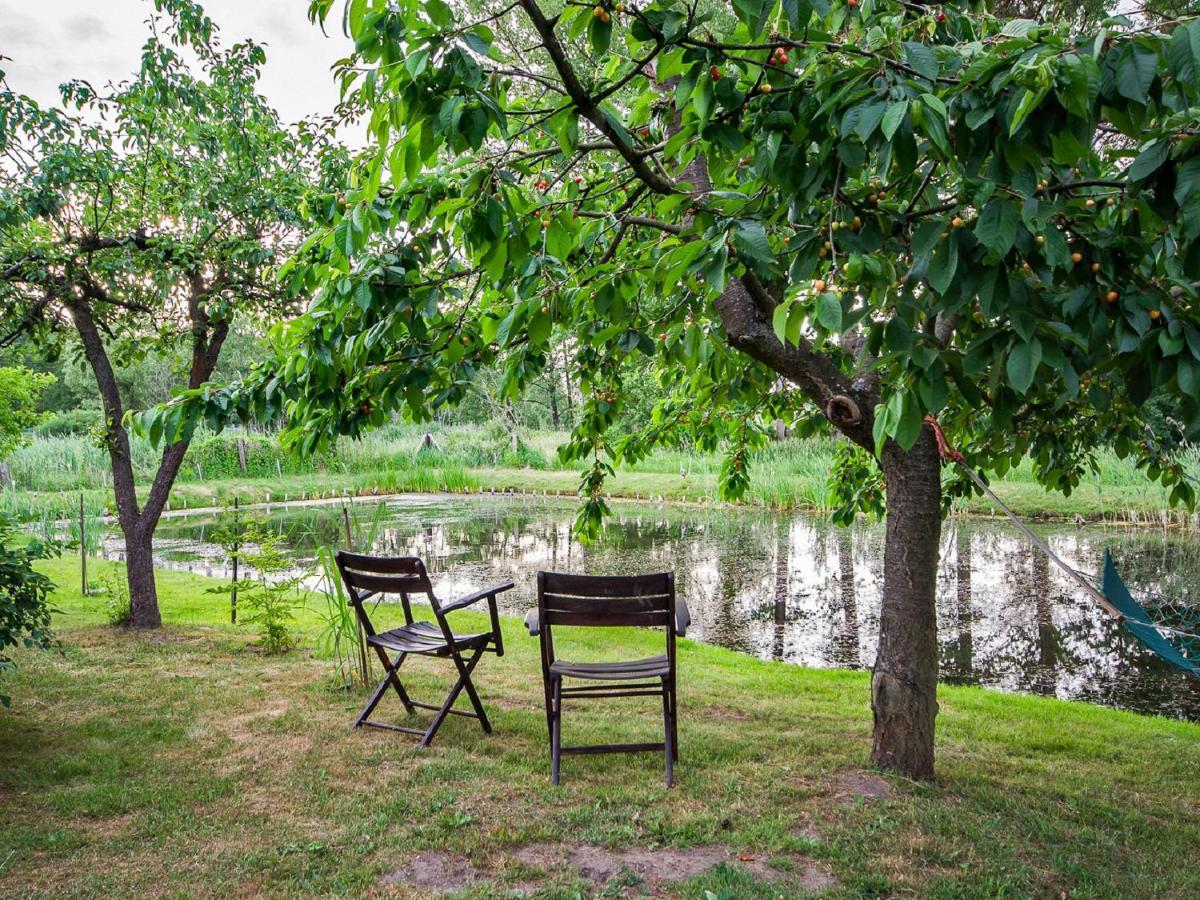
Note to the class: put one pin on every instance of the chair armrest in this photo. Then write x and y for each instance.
(533, 623)
(683, 617)
(462, 602)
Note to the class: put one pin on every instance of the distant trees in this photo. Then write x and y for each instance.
(141, 220)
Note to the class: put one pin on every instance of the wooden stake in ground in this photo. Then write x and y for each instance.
(237, 548)
(362, 643)
(82, 548)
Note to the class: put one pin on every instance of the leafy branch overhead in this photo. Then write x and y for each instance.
(873, 210)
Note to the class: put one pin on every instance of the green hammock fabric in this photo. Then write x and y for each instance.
(1140, 625)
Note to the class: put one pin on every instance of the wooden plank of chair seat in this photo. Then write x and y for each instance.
(613, 748)
(606, 605)
(637, 668)
(402, 644)
(605, 585)
(616, 692)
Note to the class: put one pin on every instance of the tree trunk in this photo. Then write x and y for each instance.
(139, 570)
(904, 681)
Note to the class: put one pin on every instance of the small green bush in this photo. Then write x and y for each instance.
(73, 421)
(116, 598)
(24, 595)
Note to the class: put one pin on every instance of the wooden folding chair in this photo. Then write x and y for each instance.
(585, 600)
(372, 576)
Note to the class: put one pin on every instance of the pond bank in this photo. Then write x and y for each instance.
(1116, 505)
(156, 763)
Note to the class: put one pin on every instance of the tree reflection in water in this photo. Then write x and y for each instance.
(792, 586)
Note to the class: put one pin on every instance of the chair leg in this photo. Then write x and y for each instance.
(389, 677)
(469, 687)
(556, 731)
(674, 723)
(387, 667)
(668, 740)
(464, 678)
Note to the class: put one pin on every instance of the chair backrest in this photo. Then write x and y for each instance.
(367, 576)
(605, 601)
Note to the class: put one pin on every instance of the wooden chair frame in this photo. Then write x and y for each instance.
(603, 601)
(374, 576)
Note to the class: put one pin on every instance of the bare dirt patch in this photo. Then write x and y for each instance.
(663, 865)
(435, 870)
(853, 786)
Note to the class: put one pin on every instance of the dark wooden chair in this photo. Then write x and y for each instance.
(373, 576)
(586, 600)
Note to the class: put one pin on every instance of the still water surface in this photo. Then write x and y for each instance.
(788, 586)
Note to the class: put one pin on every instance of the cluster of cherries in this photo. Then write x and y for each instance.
(780, 57)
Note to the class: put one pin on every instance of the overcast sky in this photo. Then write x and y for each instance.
(51, 41)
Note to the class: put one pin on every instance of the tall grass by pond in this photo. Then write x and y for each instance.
(790, 473)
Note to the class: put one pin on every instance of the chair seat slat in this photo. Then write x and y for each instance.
(615, 671)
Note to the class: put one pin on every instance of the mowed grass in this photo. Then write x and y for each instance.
(186, 763)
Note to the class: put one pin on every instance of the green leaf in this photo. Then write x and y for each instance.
(997, 227)
(540, 326)
(893, 117)
(1149, 160)
(863, 118)
(1023, 361)
(1183, 54)
(921, 58)
(750, 239)
(1136, 71)
(600, 35)
(1028, 103)
(829, 312)
(943, 264)
(753, 14)
(779, 320)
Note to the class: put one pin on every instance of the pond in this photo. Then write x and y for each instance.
(786, 586)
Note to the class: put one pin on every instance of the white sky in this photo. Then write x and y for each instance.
(53, 41)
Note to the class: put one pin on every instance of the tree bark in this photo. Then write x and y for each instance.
(139, 572)
(904, 680)
(138, 524)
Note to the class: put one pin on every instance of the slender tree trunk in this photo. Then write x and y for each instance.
(139, 570)
(138, 523)
(904, 682)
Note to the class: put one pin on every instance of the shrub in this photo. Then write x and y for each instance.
(268, 598)
(116, 598)
(73, 421)
(24, 595)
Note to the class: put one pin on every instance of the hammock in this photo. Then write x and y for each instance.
(1169, 628)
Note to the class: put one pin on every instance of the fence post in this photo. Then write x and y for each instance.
(362, 643)
(237, 549)
(82, 547)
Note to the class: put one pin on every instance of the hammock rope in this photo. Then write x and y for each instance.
(1113, 596)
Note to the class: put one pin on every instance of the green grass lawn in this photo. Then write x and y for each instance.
(186, 763)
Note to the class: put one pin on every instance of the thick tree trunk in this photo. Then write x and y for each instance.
(904, 682)
(139, 571)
